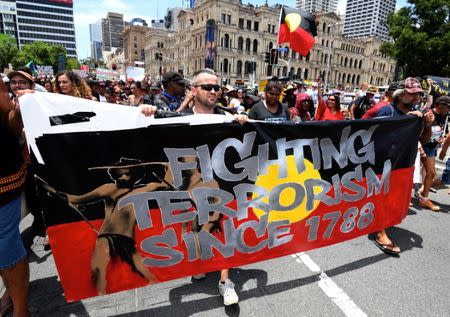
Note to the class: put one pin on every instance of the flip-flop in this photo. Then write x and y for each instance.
(5, 309)
(386, 248)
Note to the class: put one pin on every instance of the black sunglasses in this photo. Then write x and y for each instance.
(209, 87)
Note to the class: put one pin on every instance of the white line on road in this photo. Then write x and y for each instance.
(330, 288)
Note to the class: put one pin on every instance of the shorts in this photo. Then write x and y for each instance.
(430, 151)
(12, 250)
(446, 173)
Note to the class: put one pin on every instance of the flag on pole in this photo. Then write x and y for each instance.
(32, 67)
(298, 28)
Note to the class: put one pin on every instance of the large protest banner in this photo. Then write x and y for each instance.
(131, 201)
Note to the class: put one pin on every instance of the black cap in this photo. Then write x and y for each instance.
(174, 77)
(443, 100)
(393, 86)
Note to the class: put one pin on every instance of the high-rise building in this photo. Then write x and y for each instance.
(95, 35)
(8, 18)
(365, 18)
(49, 21)
(317, 5)
(112, 28)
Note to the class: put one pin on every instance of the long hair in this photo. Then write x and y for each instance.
(80, 88)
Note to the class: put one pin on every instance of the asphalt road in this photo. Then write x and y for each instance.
(348, 279)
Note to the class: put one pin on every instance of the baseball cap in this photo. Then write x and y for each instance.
(443, 100)
(411, 85)
(174, 77)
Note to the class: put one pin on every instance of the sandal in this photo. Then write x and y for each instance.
(387, 248)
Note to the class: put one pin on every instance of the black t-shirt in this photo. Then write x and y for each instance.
(362, 105)
(260, 112)
(217, 110)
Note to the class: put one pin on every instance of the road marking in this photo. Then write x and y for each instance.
(330, 288)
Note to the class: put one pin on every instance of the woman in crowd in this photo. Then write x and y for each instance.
(329, 109)
(69, 83)
(237, 101)
(137, 94)
(271, 108)
(303, 102)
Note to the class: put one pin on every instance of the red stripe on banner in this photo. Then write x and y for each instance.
(74, 243)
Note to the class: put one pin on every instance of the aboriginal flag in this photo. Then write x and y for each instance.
(298, 28)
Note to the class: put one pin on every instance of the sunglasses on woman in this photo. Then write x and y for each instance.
(209, 87)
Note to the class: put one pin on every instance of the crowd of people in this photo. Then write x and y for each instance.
(279, 101)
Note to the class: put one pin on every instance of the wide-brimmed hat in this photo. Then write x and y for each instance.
(23, 74)
(371, 90)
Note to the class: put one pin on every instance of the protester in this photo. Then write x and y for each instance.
(404, 100)
(363, 103)
(440, 110)
(446, 174)
(303, 105)
(205, 89)
(387, 100)
(329, 109)
(14, 269)
(270, 109)
(174, 89)
(137, 94)
(69, 83)
(237, 100)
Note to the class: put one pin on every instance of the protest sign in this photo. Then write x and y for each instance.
(136, 73)
(44, 70)
(106, 74)
(127, 204)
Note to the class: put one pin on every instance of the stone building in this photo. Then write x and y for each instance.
(134, 44)
(232, 38)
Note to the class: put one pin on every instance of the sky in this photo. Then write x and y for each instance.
(88, 11)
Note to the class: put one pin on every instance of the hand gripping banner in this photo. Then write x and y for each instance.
(130, 201)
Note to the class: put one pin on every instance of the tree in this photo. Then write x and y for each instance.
(8, 50)
(421, 34)
(40, 53)
(72, 63)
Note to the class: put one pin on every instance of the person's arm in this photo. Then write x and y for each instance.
(428, 119)
(187, 99)
(444, 148)
(352, 111)
(321, 106)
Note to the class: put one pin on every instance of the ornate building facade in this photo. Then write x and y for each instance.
(232, 38)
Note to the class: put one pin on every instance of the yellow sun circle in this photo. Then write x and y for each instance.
(287, 196)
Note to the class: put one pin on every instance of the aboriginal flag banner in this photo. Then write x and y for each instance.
(298, 28)
(131, 201)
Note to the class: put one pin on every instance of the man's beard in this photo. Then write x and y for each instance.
(207, 103)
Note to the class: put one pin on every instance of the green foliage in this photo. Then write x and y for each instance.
(72, 63)
(40, 53)
(8, 50)
(91, 62)
(421, 34)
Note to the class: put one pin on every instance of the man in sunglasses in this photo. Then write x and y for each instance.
(206, 91)
(174, 90)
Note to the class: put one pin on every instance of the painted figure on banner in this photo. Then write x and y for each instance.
(116, 236)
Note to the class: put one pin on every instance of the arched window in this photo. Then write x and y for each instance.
(353, 79)
(247, 45)
(226, 41)
(323, 27)
(325, 60)
(351, 62)
(356, 63)
(306, 74)
(291, 72)
(255, 46)
(240, 44)
(299, 73)
(225, 66)
(286, 53)
(360, 64)
(285, 70)
(307, 58)
(239, 68)
(270, 45)
(345, 62)
(357, 80)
